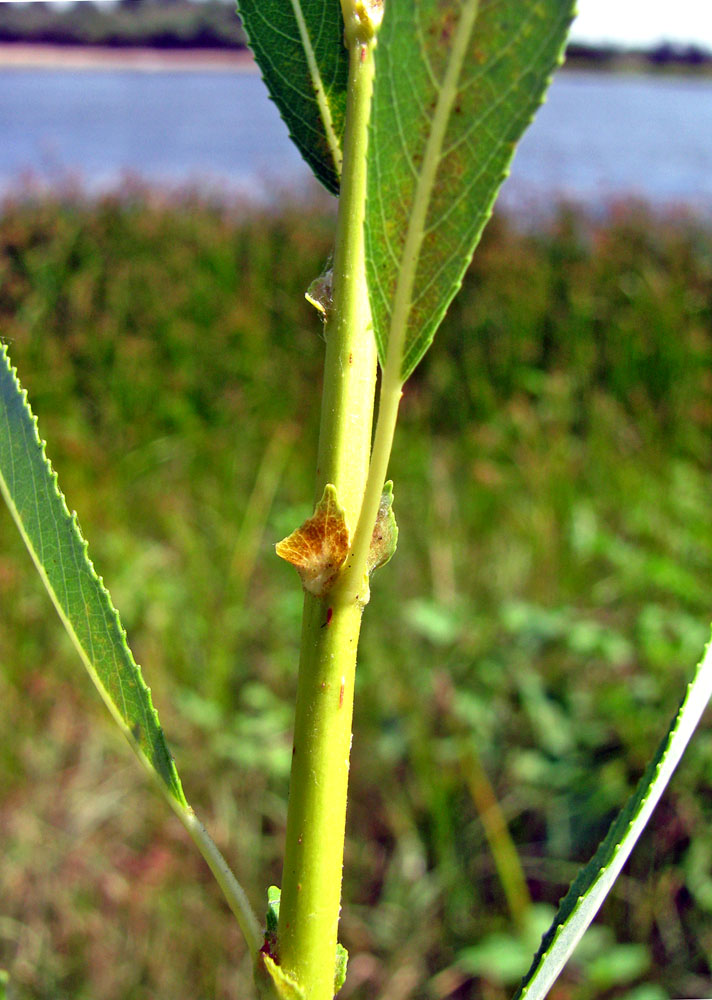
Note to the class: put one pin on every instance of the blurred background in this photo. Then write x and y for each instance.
(523, 653)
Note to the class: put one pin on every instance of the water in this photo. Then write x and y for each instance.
(602, 137)
(598, 137)
(96, 127)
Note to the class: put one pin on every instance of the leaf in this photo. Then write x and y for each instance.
(318, 548)
(588, 891)
(342, 961)
(457, 82)
(385, 533)
(274, 895)
(29, 486)
(285, 987)
(299, 46)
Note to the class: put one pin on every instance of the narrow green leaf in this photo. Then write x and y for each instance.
(457, 82)
(29, 486)
(588, 891)
(299, 46)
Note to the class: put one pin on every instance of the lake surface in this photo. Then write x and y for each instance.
(597, 138)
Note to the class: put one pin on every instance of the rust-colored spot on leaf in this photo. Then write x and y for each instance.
(319, 547)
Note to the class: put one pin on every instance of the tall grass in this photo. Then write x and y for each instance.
(550, 594)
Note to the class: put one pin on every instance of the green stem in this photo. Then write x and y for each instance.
(316, 819)
(232, 890)
(353, 582)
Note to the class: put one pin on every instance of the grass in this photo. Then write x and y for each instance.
(532, 637)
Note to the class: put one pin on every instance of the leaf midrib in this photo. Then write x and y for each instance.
(403, 297)
(319, 91)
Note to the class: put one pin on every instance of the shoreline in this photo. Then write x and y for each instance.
(147, 59)
(18, 55)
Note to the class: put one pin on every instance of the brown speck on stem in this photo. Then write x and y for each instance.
(341, 692)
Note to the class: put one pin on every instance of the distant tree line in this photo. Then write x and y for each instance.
(666, 55)
(172, 24)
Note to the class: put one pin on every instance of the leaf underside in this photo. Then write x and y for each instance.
(457, 82)
(29, 486)
(318, 548)
(385, 532)
(299, 47)
(588, 891)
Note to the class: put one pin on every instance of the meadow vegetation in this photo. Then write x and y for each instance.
(549, 597)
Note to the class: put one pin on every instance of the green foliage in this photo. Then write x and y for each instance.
(600, 961)
(342, 961)
(503, 956)
(273, 896)
(445, 118)
(299, 47)
(551, 580)
(456, 85)
(593, 883)
(29, 486)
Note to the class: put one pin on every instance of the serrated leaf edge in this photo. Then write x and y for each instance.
(419, 345)
(593, 883)
(174, 787)
(233, 891)
(311, 157)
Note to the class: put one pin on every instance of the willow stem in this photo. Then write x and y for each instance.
(316, 818)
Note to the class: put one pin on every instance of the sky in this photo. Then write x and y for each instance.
(644, 22)
(640, 22)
